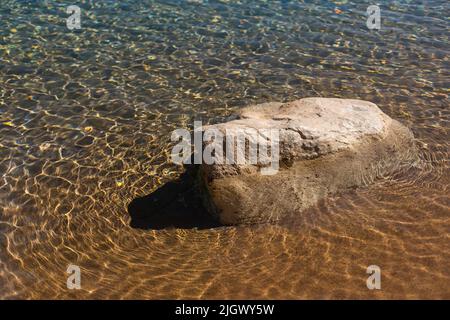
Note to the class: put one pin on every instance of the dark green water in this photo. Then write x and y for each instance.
(85, 123)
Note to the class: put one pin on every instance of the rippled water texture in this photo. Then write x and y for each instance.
(85, 123)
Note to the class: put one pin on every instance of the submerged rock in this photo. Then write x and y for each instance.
(326, 146)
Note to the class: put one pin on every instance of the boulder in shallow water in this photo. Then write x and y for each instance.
(326, 146)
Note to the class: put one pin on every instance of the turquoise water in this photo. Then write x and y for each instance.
(85, 123)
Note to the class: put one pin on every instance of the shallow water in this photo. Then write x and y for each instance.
(85, 123)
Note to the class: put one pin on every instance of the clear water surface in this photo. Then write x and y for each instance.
(85, 123)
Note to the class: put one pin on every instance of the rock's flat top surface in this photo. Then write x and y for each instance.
(311, 127)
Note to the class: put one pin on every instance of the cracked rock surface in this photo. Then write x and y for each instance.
(326, 146)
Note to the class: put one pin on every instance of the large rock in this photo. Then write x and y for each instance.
(325, 146)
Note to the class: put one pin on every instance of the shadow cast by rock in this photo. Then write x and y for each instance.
(177, 204)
